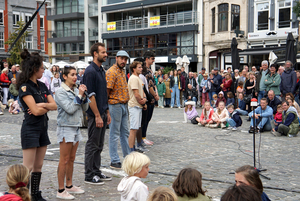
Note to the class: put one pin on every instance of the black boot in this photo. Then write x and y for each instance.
(36, 194)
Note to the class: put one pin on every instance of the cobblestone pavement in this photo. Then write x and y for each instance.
(214, 152)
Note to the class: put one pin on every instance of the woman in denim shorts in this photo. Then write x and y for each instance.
(71, 102)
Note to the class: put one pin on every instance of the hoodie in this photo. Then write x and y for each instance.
(288, 81)
(133, 189)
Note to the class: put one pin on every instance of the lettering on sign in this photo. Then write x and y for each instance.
(111, 26)
(155, 21)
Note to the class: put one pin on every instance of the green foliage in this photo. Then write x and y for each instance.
(167, 69)
(15, 57)
(296, 9)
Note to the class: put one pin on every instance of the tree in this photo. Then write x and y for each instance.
(296, 9)
(15, 57)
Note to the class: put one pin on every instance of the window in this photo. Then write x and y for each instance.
(16, 18)
(263, 16)
(41, 22)
(284, 14)
(213, 19)
(1, 17)
(223, 17)
(1, 40)
(42, 43)
(27, 18)
(235, 16)
(29, 42)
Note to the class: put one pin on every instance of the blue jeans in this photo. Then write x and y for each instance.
(210, 95)
(177, 93)
(261, 94)
(264, 123)
(168, 101)
(118, 130)
(231, 122)
(242, 112)
(13, 97)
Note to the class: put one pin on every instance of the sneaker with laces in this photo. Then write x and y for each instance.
(104, 177)
(116, 165)
(65, 195)
(147, 142)
(75, 190)
(138, 150)
(234, 129)
(142, 148)
(95, 181)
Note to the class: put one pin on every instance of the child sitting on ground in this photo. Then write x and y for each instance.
(162, 193)
(230, 99)
(214, 101)
(161, 89)
(136, 166)
(17, 178)
(220, 98)
(14, 107)
(190, 113)
(277, 118)
(220, 116)
(234, 120)
(242, 106)
(206, 115)
(188, 185)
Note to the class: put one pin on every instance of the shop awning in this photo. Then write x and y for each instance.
(258, 51)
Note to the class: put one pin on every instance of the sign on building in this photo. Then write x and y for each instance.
(155, 21)
(111, 26)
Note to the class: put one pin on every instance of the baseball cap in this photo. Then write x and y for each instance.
(17, 65)
(123, 53)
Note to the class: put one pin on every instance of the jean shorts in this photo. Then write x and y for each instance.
(71, 134)
(135, 116)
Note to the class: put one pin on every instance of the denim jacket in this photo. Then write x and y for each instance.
(69, 106)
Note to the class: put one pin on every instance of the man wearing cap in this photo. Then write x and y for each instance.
(18, 68)
(118, 97)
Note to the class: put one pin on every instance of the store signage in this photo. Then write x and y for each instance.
(111, 26)
(272, 34)
(155, 21)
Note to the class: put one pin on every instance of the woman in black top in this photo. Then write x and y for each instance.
(249, 88)
(36, 101)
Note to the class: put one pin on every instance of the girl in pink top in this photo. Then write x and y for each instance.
(206, 115)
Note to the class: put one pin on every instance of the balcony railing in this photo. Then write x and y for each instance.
(148, 22)
(65, 33)
(93, 34)
(93, 10)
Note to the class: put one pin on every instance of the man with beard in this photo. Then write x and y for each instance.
(98, 115)
(288, 79)
(118, 97)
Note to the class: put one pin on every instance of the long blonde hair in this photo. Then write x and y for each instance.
(17, 174)
(219, 111)
(204, 110)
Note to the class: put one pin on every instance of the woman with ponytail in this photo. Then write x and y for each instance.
(17, 178)
(36, 101)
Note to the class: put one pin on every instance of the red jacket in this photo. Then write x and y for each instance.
(204, 117)
(4, 78)
(226, 85)
(10, 197)
(278, 117)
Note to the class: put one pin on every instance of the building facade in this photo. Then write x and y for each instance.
(221, 20)
(270, 21)
(12, 11)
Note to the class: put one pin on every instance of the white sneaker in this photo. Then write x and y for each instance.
(234, 128)
(65, 195)
(223, 125)
(1, 113)
(179, 107)
(171, 107)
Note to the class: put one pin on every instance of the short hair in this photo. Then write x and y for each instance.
(241, 193)
(228, 67)
(162, 193)
(215, 95)
(286, 102)
(288, 61)
(240, 83)
(134, 162)
(13, 79)
(16, 174)
(264, 99)
(95, 48)
(230, 106)
(251, 175)
(134, 65)
(264, 62)
(148, 54)
(189, 183)
(230, 94)
(279, 106)
(270, 91)
(55, 73)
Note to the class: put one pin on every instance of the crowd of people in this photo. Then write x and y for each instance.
(126, 104)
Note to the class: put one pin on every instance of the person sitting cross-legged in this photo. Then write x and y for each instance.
(290, 124)
(262, 115)
(234, 119)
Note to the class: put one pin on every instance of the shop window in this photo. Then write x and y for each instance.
(223, 17)
(235, 16)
